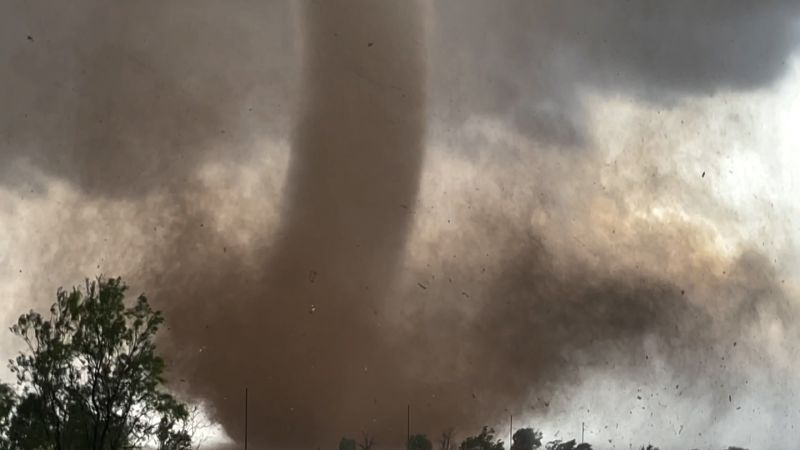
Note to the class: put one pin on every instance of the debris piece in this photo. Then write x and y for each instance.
(422, 286)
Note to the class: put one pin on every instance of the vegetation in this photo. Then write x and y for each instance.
(367, 441)
(419, 442)
(568, 445)
(483, 441)
(347, 444)
(446, 440)
(90, 377)
(526, 439)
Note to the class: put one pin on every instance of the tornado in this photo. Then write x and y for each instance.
(560, 211)
(300, 334)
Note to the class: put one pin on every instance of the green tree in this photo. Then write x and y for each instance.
(347, 444)
(483, 441)
(526, 439)
(419, 442)
(91, 378)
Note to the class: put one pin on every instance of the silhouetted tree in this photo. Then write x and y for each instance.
(8, 399)
(25, 429)
(649, 447)
(568, 445)
(446, 441)
(91, 377)
(419, 442)
(367, 441)
(347, 444)
(560, 445)
(484, 441)
(526, 439)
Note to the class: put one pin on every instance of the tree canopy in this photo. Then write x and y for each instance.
(483, 441)
(419, 442)
(90, 377)
(347, 444)
(567, 445)
(526, 439)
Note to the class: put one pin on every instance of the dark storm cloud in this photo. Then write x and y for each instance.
(529, 61)
(128, 99)
(124, 99)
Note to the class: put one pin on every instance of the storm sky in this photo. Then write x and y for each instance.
(565, 211)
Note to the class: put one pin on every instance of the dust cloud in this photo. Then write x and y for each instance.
(347, 207)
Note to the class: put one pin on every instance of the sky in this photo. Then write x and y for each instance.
(568, 212)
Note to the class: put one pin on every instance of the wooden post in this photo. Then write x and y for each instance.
(408, 427)
(245, 418)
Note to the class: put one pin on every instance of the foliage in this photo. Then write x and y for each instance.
(568, 445)
(526, 439)
(367, 441)
(347, 444)
(419, 442)
(91, 378)
(446, 441)
(559, 445)
(483, 441)
(8, 400)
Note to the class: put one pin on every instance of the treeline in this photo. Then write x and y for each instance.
(522, 439)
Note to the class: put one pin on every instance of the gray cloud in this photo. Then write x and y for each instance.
(126, 100)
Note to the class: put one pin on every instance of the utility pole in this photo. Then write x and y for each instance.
(245, 418)
(408, 427)
(583, 428)
(510, 430)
